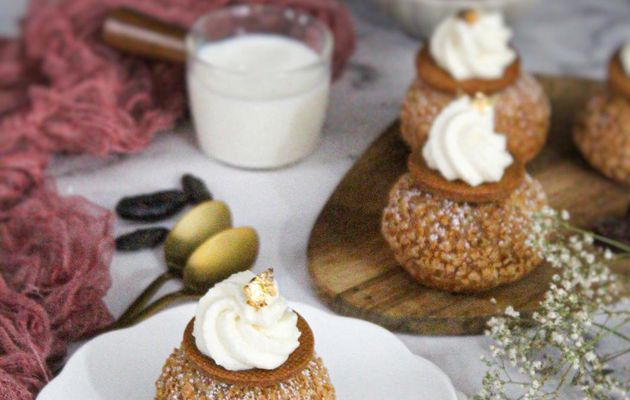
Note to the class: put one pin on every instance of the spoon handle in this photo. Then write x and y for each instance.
(159, 305)
(138, 34)
(145, 296)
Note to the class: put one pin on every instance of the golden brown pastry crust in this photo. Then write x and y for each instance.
(459, 246)
(602, 134)
(181, 380)
(189, 375)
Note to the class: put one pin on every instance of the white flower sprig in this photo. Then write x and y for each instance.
(558, 348)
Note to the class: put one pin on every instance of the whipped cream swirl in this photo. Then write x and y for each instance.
(473, 44)
(463, 145)
(240, 336)
(625, 58)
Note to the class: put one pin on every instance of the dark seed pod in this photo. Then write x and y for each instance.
(153, 206)
(141, 239)
(614, 228)
(196, 189)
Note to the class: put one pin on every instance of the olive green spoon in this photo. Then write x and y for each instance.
(200, 223)
(230, 251)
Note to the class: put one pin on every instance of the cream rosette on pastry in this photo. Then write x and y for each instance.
(473, 44)
(463, 145)
(243, 323)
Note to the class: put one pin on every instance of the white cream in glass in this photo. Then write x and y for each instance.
(258, 84)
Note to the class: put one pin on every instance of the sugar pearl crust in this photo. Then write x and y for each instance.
(462, 247)
(180, 380)
(602, 133)
(522, 113)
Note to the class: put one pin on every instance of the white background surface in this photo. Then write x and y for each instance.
(572, 37)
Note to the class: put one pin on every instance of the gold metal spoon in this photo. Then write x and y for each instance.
(230, 251)
(200, 223)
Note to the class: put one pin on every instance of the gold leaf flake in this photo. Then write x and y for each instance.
(261, 290)
(483, 103)
(470, 16)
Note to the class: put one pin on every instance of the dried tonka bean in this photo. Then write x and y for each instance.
(141, 239)
(153, 206)
(196, 189)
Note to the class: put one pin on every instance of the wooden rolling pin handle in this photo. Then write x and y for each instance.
(144, 36)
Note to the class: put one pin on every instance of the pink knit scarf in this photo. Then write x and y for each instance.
(63, 91)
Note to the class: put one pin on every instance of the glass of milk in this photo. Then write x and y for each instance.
(258, 82)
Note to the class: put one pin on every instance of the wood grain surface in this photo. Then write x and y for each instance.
(354, 271)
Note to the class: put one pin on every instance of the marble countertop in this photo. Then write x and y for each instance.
(572, 37)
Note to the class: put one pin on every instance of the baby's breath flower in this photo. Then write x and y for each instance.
(608, 254)
(558, 346)
(511, 312)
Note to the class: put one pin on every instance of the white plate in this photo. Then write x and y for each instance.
(365, 361)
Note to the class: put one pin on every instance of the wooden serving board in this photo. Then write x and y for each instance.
(355, 272)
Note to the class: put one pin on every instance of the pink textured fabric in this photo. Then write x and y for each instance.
(25, 344)
(58, 250)
(21, 171)
(11, 389)
(63, 91)
(54, 256)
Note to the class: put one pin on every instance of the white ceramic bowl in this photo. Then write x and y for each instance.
(419, 17)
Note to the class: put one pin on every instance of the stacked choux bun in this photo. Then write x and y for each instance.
(602, 130)
(450, 65)
(460, 220)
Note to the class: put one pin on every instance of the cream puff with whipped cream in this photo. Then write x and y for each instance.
(460, 219)
(469, 53)
(245, 343)
(602, 130)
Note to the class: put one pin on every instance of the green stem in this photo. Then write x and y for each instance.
(616, 355)
(598, 338)
(160, 304)
(612, 331)
(145, 296)
(563, 379)
(617, 244)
